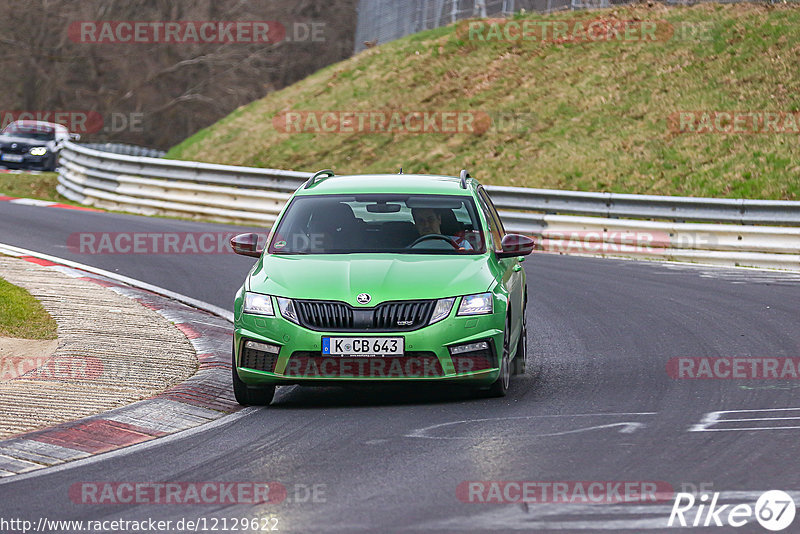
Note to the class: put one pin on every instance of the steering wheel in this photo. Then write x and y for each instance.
(434, 236)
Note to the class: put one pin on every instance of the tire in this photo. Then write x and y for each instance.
(500, 386)
(521, 355)
(249, 395)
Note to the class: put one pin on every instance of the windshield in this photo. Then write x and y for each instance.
(390, 223)
(39, 133)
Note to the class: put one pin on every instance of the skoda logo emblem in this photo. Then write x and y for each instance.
(13, 145)
(363, 298)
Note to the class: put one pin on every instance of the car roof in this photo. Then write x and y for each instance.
(33, 124)
(389, 183)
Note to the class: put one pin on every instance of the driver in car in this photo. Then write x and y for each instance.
(428, 221)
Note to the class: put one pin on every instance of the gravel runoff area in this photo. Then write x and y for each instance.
(111, 351)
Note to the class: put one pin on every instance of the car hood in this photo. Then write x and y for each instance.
(385, 277)
(8, 139)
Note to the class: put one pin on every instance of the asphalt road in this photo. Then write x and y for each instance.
(598, 405)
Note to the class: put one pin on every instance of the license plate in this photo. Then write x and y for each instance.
(11, 157)
(362, 346)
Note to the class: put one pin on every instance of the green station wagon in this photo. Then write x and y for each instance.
(395, 277)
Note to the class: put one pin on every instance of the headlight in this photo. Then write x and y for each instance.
(442, 309)
(287, 309)
(480, 304)
(38, 151)
(258, 304)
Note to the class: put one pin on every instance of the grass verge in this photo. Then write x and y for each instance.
(590, 116)
(23, 316)
(24, 185)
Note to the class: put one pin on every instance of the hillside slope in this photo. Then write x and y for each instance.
(599, 115)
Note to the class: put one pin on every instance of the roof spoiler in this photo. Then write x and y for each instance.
(327, 173)
(464, 175)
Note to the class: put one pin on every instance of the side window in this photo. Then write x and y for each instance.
(493, 228)
(496, 215)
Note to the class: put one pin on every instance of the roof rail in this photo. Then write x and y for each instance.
(327, 173)
(464, 175)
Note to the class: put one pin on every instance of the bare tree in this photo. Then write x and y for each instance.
(174, 89)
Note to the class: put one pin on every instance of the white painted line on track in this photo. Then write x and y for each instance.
(627, 426)
(711, 419)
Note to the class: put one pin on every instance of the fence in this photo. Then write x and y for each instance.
(381, 21)
(764, 233)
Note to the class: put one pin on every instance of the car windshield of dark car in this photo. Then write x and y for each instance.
(379, 223)
(37, 134)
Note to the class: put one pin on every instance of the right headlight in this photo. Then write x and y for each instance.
(38, 151)
(479, 304)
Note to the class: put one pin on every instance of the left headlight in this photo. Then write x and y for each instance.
(480, 304)
(441, 310)
(286, 306)
(38, 151)
(258, 304)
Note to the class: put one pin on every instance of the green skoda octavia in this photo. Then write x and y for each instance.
(377, 278)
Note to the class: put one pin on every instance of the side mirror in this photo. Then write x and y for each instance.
(516, 245)
(246, 245)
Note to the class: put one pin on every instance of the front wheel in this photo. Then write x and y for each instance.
(249, 395)
(521, 354)
(500, 386)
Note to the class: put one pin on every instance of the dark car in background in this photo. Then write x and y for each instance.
(34, 145)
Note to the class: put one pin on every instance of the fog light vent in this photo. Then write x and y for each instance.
(259, 356)
(471, 357)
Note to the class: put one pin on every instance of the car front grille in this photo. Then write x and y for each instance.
(18, 149)
(324, 315)
(413, 364)
(332, 316)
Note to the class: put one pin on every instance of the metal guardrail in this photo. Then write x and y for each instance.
(606, 224)
(721, 210)
(128, 150)
(155, 186)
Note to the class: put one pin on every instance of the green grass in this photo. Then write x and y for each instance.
(40, 186)
(23, 316)
(592, 116)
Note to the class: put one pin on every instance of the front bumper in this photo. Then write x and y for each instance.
(29, 161)
(426, 358)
